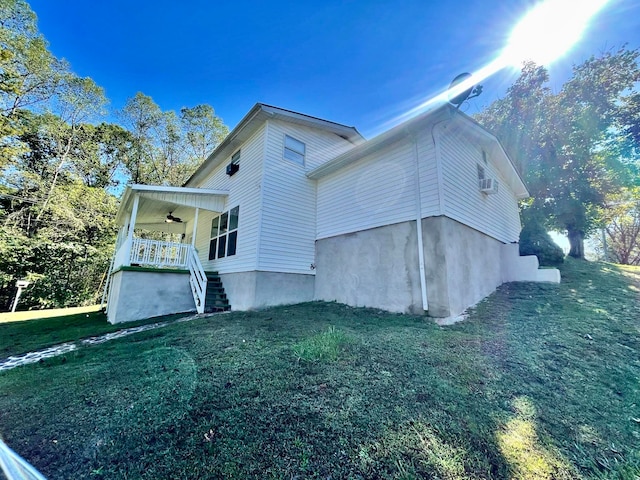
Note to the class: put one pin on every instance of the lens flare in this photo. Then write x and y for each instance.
(549, 31)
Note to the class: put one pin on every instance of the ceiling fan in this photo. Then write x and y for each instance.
(171, 219)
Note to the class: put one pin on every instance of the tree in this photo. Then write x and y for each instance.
(167, 149)
(622, 227)
(203, 130)
(29, 74)
(567, 144)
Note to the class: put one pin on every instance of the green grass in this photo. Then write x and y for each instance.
(30, 335)
(324, 346)
(541, 382)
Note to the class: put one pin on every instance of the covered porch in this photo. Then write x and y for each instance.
(151, 276)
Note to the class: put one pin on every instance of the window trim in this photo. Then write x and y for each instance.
(295, 152)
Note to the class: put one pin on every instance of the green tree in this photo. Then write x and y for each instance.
(203, 130)
(29, 74)
(567, 144)
(621, 220)
(166, 149)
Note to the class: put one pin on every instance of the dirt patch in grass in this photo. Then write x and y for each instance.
(542, 381)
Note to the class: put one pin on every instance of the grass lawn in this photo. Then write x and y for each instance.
(541, 382)
(24, 336)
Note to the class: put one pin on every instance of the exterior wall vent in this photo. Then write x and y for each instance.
(488, 185)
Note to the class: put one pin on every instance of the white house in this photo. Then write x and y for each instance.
(292, 208)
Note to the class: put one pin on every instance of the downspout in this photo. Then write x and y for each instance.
(423, 277)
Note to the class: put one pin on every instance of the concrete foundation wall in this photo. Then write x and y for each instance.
(250, 290)
(371, 268)
(463, 265)
(138, 295)
(379, 267)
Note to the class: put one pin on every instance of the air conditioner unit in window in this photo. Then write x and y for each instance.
(232, 168)
(488, 185)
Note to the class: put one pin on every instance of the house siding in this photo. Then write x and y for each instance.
(496, 214)
(244, 190)
(288, 224)
(378, 189)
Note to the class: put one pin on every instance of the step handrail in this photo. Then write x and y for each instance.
(197, 279)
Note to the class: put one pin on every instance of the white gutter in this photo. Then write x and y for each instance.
(423, 277)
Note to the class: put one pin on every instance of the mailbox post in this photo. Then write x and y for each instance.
(21, 284)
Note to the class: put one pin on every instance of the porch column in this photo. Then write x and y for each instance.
(195, 228)
(132, 224)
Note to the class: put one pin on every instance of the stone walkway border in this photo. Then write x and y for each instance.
(61, 349)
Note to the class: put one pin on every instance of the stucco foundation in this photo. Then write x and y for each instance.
(251, 290)
(135, 295)
(379, 267)
(371, 268)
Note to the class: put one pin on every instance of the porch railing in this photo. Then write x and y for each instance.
(197, 279)
(156, 253)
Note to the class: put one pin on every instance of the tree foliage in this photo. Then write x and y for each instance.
(166, 148)
(621, 220)
(573, 146)
(60, 164)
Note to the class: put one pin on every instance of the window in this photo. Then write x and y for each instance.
(294, 150)
(224, 234)
(235, 158)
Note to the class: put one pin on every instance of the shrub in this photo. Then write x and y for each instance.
(534, 240)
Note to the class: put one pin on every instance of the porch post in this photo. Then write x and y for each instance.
(132, 224)
(195, 228)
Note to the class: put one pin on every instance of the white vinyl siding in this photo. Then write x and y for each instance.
(287, 236)
(495, 214)
(244, 191)
(428, 175)
(376, 190)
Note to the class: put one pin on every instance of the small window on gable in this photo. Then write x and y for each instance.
(235, 158)
(294, 150)
(481, 174)
(484, 157)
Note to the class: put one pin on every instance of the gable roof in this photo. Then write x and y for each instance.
(428, 119)
(252, 121)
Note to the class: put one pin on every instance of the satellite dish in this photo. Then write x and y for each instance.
(460, 98)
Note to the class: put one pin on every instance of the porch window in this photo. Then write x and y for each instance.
(224, 234)
(294, 150)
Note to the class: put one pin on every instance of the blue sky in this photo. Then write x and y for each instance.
(361, 63)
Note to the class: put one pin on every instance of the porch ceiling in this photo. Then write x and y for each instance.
(156, 202)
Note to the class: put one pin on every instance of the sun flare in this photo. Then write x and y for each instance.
(549, 30)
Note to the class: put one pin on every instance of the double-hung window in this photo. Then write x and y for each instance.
(294, 150)
(224, 234)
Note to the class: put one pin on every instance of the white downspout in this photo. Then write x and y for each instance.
(423, 277)
(132, 224)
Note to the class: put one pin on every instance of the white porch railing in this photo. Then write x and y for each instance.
(197, 279)
(158, 254)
